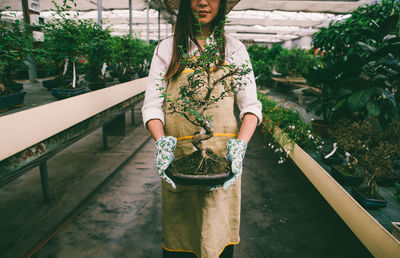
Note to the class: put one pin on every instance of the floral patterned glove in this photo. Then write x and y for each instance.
(236, 150)
(164, 156)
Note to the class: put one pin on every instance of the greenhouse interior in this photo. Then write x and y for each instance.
(81, 158)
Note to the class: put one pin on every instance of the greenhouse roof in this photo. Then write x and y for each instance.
(289, 22)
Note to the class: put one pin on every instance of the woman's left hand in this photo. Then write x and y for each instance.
(236, 150)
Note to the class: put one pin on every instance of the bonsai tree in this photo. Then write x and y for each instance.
(64, 38)
(130, 57)
(376, 149)
(198, 95)
(98, 51)
(15, 46)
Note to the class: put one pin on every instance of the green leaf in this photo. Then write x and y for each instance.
(388, 95)
(366, 47)
(358, 100)
(373, 109)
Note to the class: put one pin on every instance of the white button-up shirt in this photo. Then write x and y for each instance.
(246, 98)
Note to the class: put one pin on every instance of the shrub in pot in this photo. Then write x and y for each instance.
(66, 45)
(197, 95)
(15, 46)
(376, 148)
(130, 57)
(98, 54)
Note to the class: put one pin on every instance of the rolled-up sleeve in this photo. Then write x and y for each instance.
(153, 102)
(246, 98)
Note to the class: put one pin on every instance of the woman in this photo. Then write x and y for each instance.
(197, 220)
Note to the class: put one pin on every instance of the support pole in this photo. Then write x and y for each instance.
(130, 17)
(99, 13)
(147, 21)
(133, 115)
(30, 62)
(45, 182)
(159, 21)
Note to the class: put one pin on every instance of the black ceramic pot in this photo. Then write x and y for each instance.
(366, 202)
(345, 179)
(12, 101)
(67, 93)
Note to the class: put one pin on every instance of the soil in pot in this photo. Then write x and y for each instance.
(363, 196)
(346, 176)
(214, 170)
(9, 99)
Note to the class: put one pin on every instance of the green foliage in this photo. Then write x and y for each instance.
(292, 124)
(262, 60)
(359, 79)
(64, 37)
(15, 46)
(200, 91)
(295, 62)
(367, 24)
(132, 55)
(97, 47)
(397, 192)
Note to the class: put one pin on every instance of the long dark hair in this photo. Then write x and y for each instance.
(185, 30)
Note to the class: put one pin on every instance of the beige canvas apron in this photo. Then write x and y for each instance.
(193, 218)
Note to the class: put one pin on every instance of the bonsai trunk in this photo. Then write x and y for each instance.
(372, 185)
(197, 142)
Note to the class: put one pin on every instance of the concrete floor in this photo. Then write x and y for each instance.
(282, 215)
(106, 203)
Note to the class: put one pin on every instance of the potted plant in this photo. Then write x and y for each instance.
(10, 99)
(376, 149)
(66, 42)
(98, 54)
(347, 174)
(130, 58)
(196, 98)
(15, 46)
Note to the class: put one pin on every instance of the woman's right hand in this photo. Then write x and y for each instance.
(164, 156)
